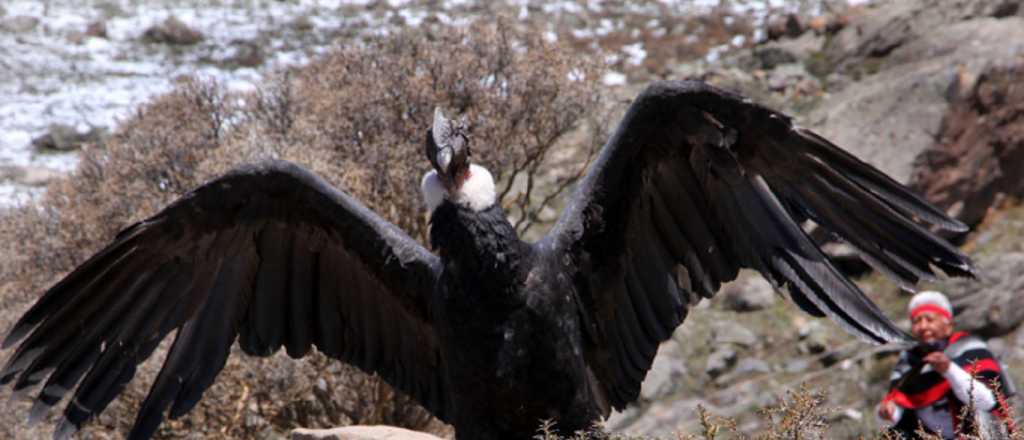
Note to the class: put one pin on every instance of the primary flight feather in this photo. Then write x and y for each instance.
(491, 334)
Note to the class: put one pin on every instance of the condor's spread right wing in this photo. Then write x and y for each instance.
(704, 179)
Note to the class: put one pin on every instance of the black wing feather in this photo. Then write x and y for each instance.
(269, 255)
(700, 177)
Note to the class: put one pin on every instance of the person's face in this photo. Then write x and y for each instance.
(931, 327)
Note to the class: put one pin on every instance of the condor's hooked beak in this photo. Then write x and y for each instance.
(444, 158)
(447, 149)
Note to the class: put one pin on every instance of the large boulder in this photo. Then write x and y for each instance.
(980, 153)
(361, 433)
(992, 306)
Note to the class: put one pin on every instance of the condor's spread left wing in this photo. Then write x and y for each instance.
(270, 255)
(703, 179)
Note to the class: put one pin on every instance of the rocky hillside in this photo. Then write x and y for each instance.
(927, 90)
(930, 92)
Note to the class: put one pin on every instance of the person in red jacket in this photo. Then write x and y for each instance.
(947, 371)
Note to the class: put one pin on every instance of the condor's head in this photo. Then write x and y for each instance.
(454, 178)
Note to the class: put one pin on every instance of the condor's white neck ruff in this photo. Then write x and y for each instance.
(476, 193)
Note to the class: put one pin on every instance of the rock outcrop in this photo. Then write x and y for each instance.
(904, 56)
(992, 306)
(979, 156)
(927, 91)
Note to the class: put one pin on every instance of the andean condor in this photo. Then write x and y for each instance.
(491, 334)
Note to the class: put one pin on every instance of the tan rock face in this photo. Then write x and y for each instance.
(361, 433)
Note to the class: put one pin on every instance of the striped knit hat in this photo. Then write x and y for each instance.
(930, 301)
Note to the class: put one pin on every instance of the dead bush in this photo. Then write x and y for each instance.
(357, 117)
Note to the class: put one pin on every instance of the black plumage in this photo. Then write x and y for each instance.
(492, 334)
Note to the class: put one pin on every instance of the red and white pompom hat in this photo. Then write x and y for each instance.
(930, 301)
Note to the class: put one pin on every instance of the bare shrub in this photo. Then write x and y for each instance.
(366, 107)
(357, 117)
(801, 415)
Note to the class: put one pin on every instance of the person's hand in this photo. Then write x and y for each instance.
(938, 360)
(886, 410)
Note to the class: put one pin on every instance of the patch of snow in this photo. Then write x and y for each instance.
(716, 52)
(604, 27)
(583, 33)
(613, 79)
(412, 17)
(635, 53)
(563, 7)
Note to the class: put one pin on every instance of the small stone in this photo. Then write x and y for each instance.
(745, 367)
(751, 365)
(19, 24)
(837, 23)
(247, 54)
(766, 398)
(770, 57)
(76, 37)
(786, 76)
(797, 366)
(302, 23)
(63, 137)
(720, 361)
(849, 414)
(730, 332)
(791, 26)
(747, 295)
(28, 175)
(270, 434)
(252, 420)
(666, 372)
(794, 26)
(1006, 9)
(818, 24)
(97, 29)
(172, 31)
(813, 338)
